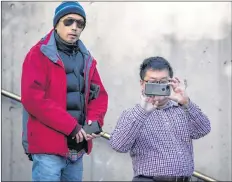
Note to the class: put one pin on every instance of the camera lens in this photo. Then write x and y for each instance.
(163, 89)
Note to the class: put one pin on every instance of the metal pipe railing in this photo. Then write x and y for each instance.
(11, 95)
(107, 136)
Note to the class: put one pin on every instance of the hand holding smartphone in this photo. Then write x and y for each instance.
(93, 128)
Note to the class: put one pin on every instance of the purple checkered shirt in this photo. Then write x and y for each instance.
(160, 143)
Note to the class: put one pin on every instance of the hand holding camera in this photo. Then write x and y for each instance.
(179, 94)
(89, 131)
(148, 103)
(164, 89)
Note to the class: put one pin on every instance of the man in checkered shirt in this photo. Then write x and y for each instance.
(159, 130)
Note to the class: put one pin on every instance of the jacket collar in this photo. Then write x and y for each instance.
(49, 47)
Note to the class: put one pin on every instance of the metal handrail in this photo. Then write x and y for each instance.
(107, 136)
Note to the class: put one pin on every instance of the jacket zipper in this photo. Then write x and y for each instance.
(86, 98)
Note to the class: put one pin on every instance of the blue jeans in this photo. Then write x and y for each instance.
(56, 168)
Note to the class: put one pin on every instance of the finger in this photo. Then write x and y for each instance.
(92, 136)
(156, 103)
(150, 100)
(173, 98)
(143, 97)
(89, 137)
(172, 80)
(95, 136)
(179, 90)
(80, 137)
(77, 138)
(177, 79)
(173, 85)
(181, 83)
(143, 92)
(89, 122)
(84, 134)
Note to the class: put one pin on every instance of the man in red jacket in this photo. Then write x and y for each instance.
(61, 92)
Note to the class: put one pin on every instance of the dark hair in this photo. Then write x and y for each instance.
(155, 63)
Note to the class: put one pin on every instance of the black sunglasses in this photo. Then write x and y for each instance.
(70, 21)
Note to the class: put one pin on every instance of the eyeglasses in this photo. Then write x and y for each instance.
(160, 81)
(70, 21)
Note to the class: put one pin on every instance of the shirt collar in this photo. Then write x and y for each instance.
(169, 104)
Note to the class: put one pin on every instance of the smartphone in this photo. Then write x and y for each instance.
(93, 128)
(157, 89)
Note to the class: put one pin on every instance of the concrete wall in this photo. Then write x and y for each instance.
(194, 37)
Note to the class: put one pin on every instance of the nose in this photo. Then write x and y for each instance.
(74, 26)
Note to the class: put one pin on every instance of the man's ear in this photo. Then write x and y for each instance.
(56, 26)
(141, 82)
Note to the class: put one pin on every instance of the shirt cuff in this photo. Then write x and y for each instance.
(75, 130)
(189, 107)
(139, 113)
